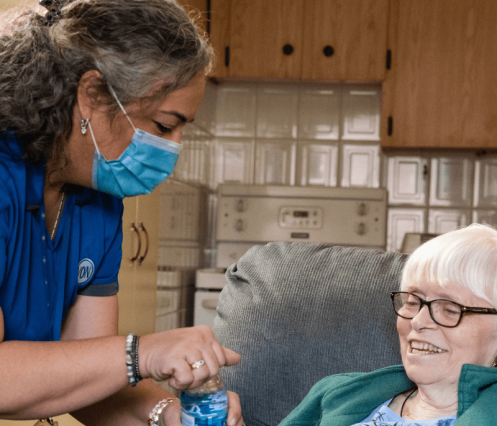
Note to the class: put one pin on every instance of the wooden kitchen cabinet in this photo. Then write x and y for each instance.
(197, 8)
(441, 90)
(345, 39)
(266, 38)
(312, 39)
(138, 276)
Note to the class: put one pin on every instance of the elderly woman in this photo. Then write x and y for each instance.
(447, 326)
(93, 97)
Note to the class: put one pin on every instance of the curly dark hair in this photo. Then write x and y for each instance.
(132, 43)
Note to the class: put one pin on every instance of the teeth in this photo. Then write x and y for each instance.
(418, 346)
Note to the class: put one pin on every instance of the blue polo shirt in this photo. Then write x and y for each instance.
(40, 279)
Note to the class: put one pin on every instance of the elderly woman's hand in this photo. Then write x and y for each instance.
(174, 355)
(171, 416)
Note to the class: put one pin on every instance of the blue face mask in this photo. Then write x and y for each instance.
(145, 163)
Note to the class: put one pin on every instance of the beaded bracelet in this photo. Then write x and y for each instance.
(134, 375)
(156, 412)
(136, 370)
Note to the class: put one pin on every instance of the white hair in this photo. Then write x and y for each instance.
(466, 257)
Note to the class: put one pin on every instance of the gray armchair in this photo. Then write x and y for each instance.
(299, 312)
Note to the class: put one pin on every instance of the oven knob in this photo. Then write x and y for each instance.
(362, 209)
(239, 225)
(361, 228)
(240, 206)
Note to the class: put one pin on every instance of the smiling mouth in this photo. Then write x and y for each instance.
(423, 348)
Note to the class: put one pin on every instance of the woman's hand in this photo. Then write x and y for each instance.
(171, 416)
(234, 410)
(169, 355)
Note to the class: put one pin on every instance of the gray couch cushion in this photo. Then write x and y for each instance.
(299, 312)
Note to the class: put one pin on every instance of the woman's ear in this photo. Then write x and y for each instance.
(91, 94)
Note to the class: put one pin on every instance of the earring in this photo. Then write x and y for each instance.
(494, 364)
(84, 126)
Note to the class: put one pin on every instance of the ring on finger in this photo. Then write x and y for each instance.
(197, 364)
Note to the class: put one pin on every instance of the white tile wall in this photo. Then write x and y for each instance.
(275, 162)
(406, 180)
(401, 221)
(451, 181)
(361, 165)
(328, 135)
(441, 221)
(361, 112)
(319, 112)
(235, 111)
(485, 216)
(277, 111)
(317, 164)
(485, 189)
(234, 161)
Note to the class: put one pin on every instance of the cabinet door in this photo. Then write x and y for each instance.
(345, 39)
(198, 10)
(479, 91)
(126, 295)
(266, 38)
(441, 90)
(138, 275)
(148, 220)
(220, 33)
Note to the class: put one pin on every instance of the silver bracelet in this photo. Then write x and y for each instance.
(132, 359)
(153, 417)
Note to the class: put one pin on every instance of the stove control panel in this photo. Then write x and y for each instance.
(341, 216)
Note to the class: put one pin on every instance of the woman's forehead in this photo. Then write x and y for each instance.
(449, 290)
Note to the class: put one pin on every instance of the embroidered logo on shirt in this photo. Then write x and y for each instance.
(86, 270)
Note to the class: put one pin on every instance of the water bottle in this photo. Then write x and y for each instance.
(205, 405)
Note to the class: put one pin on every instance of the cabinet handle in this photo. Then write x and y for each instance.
(142, 258)
(287, 49)
(328, 51)
(133, 228)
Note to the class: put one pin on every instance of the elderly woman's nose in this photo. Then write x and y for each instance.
(423, 319)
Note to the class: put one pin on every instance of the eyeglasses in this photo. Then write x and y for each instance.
(443, 312)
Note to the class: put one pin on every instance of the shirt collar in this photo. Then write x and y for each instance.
(35, 175)
(35, 178)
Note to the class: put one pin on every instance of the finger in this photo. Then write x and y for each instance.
(232, 357)
(201, 370)
(183, 375)
(234, 410)
(211, 364)
(219, 351)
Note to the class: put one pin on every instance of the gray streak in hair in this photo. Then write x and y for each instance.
(134, 44)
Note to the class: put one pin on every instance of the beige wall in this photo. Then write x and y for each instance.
(7, 4)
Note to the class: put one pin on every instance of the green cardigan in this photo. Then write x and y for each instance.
(345, 399)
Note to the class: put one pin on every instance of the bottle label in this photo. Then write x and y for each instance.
(187, 420)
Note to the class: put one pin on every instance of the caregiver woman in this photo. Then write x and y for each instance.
(93, 97)
(447, 324)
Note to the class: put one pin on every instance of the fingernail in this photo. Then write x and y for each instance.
(233, 422)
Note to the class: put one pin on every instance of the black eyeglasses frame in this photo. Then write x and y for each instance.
(464, 309)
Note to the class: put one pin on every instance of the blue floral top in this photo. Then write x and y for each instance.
(384, 416)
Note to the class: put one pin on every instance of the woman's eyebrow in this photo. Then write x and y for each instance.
(178, 115)
(441, 295)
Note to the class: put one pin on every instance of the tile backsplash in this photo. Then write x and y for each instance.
(309, 134)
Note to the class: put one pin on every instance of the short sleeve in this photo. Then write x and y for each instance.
(105, 279)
